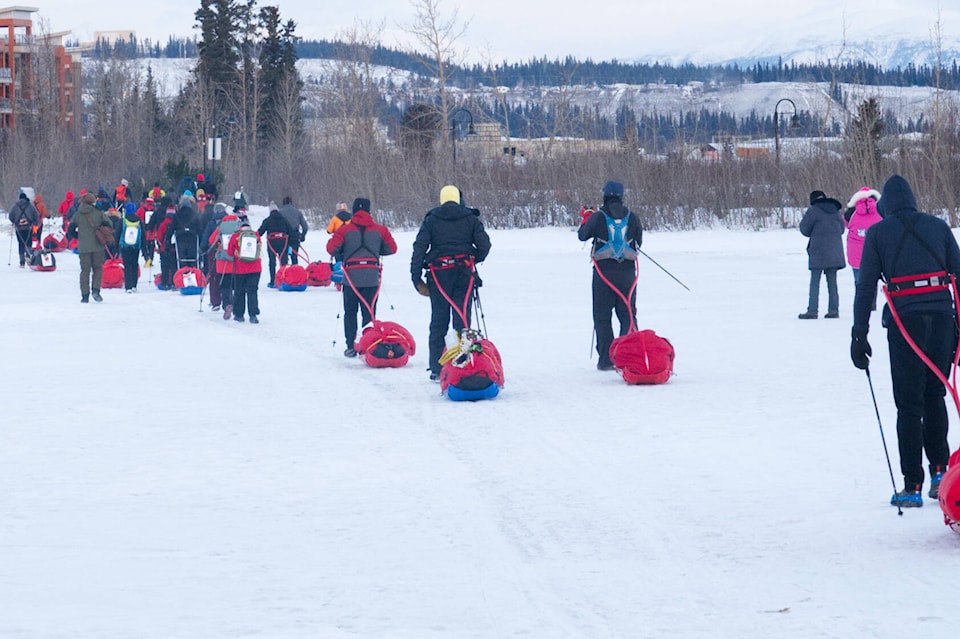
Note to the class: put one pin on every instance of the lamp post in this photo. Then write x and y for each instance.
(794, 122)
(453, 127)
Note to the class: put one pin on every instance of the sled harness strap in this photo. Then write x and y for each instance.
(619, 293)
(918, 284)
(450, 261)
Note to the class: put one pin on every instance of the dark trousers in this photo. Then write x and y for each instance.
(245, 293)
(24, 239)
(918, 394)
(91, 263)
(148, 248)
(213, 282)
(351, 304)
(606, 302)
(225, 287)
(131, 267)
(833, 296)
(276, 248)
(168, 266)
(294, 247)
(455, 282)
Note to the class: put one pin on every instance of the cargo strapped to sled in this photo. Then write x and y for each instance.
(918, 284)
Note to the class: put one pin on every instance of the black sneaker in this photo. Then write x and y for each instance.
(807, 315)
(350, 352)
(605, 366)
(908, 498)
(85, 299)
(434, 377)
(832, 315)
(254, 320)
(238, 318)
(96, 296)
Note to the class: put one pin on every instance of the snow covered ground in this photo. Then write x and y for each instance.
(165, 473)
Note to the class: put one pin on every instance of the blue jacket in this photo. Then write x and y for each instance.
(823, 224)
(891, 250)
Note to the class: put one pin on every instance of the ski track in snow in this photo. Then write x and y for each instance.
(166, 473)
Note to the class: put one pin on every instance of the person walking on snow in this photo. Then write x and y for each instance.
(278, 234)
(129, 238)
(614, 266)
(360, 245)
(450, 242)
(298, 226)
(860, 215)
(83, 227)
(915, 254)
(823, 224)
(25, 220)
(246, 275)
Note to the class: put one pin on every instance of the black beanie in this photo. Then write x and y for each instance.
(23, 196)
(361, 204)
(817, 195)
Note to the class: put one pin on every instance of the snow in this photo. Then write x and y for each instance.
(168, 474)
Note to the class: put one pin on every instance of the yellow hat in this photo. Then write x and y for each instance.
(449, 193)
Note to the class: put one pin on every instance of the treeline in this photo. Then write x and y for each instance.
(570, 70)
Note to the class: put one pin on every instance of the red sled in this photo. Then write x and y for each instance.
(189, 281)
(112, 273)
(642, 357)
(319, 274)
(385, 345)
(949, 496)
(291, 277)
(43, 261)
(473, 369)
(73, 244)
(55, 242)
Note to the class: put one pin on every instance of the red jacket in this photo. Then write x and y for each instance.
(239, 266)
(223, 266)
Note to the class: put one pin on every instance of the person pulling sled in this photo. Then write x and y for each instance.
(617, 235)
(450, 242)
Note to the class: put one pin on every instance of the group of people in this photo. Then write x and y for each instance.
(917, 257)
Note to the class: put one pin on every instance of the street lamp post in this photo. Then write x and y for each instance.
(794, 122)
(453, 128)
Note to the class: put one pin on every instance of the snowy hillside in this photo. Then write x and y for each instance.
(168, 474)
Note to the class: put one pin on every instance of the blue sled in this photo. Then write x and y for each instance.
(287, 287)
(460, 395)
(191, 290)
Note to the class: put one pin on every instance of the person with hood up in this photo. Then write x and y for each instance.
(184, 233)
(210, 241)
(360, 245)
(450, 242)
(823, 224)
(298, 226)
(860, 215)
(916, 254)
(341, 217)
(129, 237)
(83, 227)
(166, 247)
(25, 220)
(65, 205)
(614, 266)
(278, 234)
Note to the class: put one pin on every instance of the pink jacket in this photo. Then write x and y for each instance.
(864, 205)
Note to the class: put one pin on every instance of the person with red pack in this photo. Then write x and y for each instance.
(244, 249)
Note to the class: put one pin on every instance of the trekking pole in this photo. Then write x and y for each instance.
(593, 337)
(336, 324)
(483, 318)
(10, 250)
(663, 269)
(884, 440)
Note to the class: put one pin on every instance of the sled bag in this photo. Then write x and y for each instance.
(318, 274)
(189, 281)
(291, 277)
(56, 241)
(112, 273)
(950, 493)
(385, 345)
(642, 357)
(475, 375)
(43, 261)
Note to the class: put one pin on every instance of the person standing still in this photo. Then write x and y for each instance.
(823, 224)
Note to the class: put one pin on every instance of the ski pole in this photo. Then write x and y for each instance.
(10, 250)
(483, 318)
(336, 324)
(664, 270)
(884, 440)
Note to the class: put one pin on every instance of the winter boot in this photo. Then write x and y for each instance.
(807, 315)
(434, 377)
(238, 318)
(254, 320)
(832, 315)
(96, 296)
(350, 352)
(909, 497)
(85, 299)
(936, 476)
(227, 311)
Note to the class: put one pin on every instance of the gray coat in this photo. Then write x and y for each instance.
(823, 224)
(295, 219)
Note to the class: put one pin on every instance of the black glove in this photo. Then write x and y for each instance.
(860, 350)
(303, 237)
(421, 287)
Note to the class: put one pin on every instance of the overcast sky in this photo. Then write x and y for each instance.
(519, 30)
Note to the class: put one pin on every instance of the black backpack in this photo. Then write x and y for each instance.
(23, 221)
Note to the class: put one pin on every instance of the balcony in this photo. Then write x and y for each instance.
(5, 105)
(6, 74)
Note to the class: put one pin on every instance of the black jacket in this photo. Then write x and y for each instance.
(274, 223)
(595, 227)
(448, 230)
(891, 249)
(186, 221)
